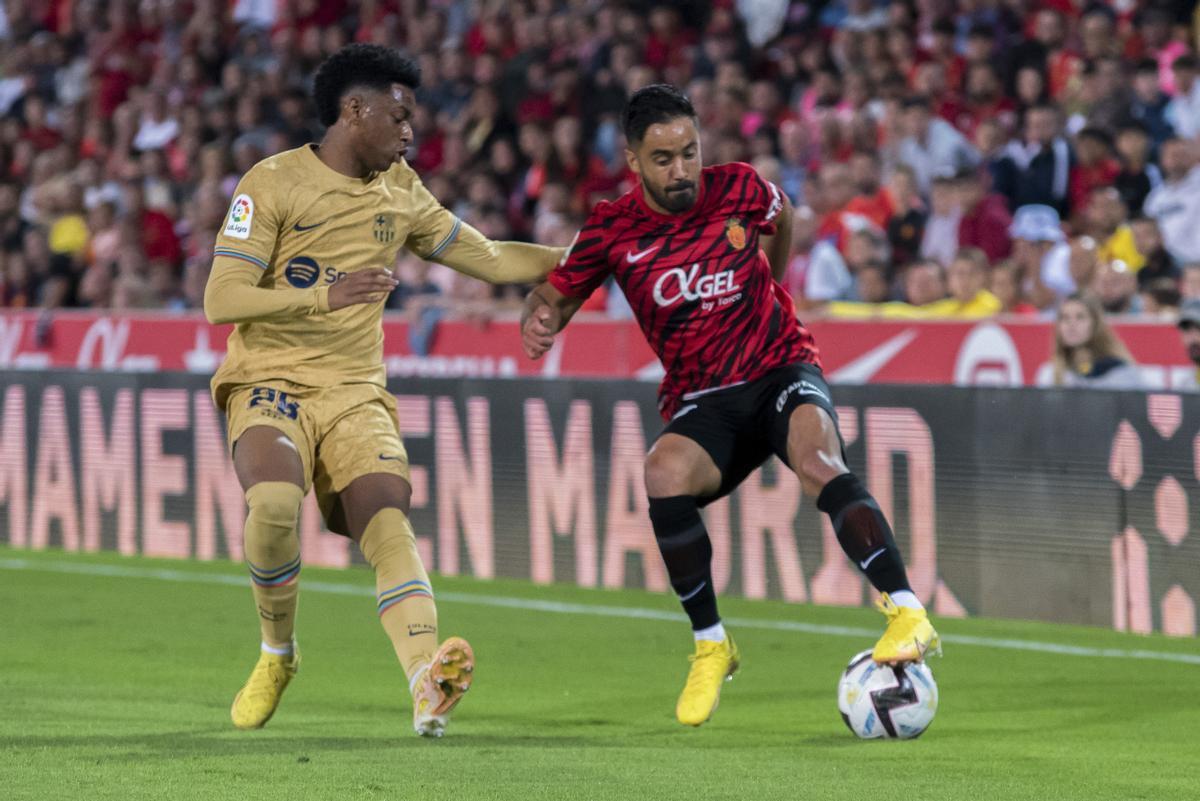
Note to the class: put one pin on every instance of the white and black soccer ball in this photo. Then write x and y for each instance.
(887, 701)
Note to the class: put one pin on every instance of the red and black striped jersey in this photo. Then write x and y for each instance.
(698, 282)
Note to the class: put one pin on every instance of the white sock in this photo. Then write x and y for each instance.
(712, 633)
(287, 650)
(906, 599)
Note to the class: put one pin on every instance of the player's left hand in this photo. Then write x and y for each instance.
(536, 335)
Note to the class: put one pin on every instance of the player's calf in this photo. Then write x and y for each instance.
(687, 552)
(865, 536)
(272, 551)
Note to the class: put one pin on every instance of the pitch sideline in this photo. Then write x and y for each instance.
(597, 610)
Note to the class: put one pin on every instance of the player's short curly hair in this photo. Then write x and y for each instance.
(368, 65)
(652, 105)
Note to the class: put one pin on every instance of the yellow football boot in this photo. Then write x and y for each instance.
(712, 664)
(438, 687)
(256, 701)
(909, 635)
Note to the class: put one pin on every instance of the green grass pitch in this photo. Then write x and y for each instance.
(117, 686)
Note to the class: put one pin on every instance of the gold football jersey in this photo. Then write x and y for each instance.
(304, 224)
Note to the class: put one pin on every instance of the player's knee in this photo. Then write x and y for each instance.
(387, 537)
(816, 467)
(666, 475)
(274, 507)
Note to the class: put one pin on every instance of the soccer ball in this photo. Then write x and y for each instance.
(885, 701)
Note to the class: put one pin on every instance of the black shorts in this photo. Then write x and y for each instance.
(742, 425)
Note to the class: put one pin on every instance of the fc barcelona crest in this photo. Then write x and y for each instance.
(385, 228)
(735, 232)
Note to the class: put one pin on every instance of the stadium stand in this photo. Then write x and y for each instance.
(126, 126)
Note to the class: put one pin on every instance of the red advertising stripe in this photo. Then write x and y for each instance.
(1008, 352)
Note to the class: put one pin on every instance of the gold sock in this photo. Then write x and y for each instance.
(405, 598)
(272, 550)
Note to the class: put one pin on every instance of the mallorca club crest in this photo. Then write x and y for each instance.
(385, 228)
(735, 232)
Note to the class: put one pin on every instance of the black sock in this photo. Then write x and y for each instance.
(864, 532)
(687, 552)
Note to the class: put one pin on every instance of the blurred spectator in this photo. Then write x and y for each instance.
(1183, 112)
(1189, 333)
(966, 278)
(871, 283)
(1094, 169)
(986, 100)
(158, 240)
(985, 217)
(873, 202)
(1159, 299)
(1087, 352)
(1175, 205)
(991, 140)
(923, 283)
(1084, 261)
(1115, 286)
(1104, 219)
(1137, 176)
(940, 239)
(68, 234)
(834, 191)
(1149, 105)
(1037, 170)
(906, 227)
(157, 128)
(1189, 283)
(1005, 284)
(866, 246)
(931, 146)
(1158, 262)
(817, 273)
(1041, 250)
(1106, 95)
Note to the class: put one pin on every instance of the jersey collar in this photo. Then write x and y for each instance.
(331, 177)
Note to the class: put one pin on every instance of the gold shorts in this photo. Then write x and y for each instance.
(342, 432)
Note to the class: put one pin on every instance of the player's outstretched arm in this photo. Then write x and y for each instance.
(473, 254)
(778, 246)
(547, 311)
(233, 295)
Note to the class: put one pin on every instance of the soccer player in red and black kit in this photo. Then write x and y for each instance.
(698, 253)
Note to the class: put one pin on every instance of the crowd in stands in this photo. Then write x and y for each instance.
(956, 158)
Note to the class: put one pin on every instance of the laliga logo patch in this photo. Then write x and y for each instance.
(241, 215)
(301, 272)
(735, 232)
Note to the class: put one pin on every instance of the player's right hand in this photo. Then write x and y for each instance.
(363, 286)
(536, 335)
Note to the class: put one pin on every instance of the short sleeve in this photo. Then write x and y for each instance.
(250, 230)
(434, 228)
(585, 266)
(767, 202)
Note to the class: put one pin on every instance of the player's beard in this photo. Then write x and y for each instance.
(677, 198)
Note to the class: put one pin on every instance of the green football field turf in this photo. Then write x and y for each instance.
(116, 677)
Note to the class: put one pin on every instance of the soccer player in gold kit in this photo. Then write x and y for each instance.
(301, 267)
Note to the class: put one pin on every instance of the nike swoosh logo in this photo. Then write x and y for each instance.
(634, 258)
(391, 458)
(864, 564)
(302, 228)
